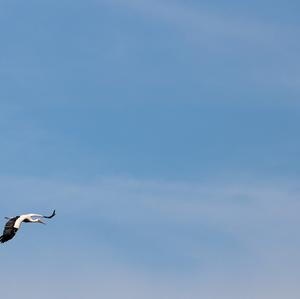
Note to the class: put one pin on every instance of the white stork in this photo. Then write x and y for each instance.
(13, 224)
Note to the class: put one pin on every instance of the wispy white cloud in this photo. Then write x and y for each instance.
(183, 201)
(199, 21)
(239, 235)
(241, 209)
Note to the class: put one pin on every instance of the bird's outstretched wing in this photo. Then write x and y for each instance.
(9, 230)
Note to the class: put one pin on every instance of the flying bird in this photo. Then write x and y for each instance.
(13, 224)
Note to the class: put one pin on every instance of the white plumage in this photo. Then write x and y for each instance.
(13, 224)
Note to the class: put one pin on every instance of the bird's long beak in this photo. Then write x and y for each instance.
(40, 221)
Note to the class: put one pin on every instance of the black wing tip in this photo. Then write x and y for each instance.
(4, 239)
(51, 216)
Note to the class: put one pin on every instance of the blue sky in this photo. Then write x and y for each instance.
(165, 133)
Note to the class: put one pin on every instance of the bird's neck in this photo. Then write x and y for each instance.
(19, 222)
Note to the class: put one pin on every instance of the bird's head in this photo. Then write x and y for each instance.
(40, 221)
